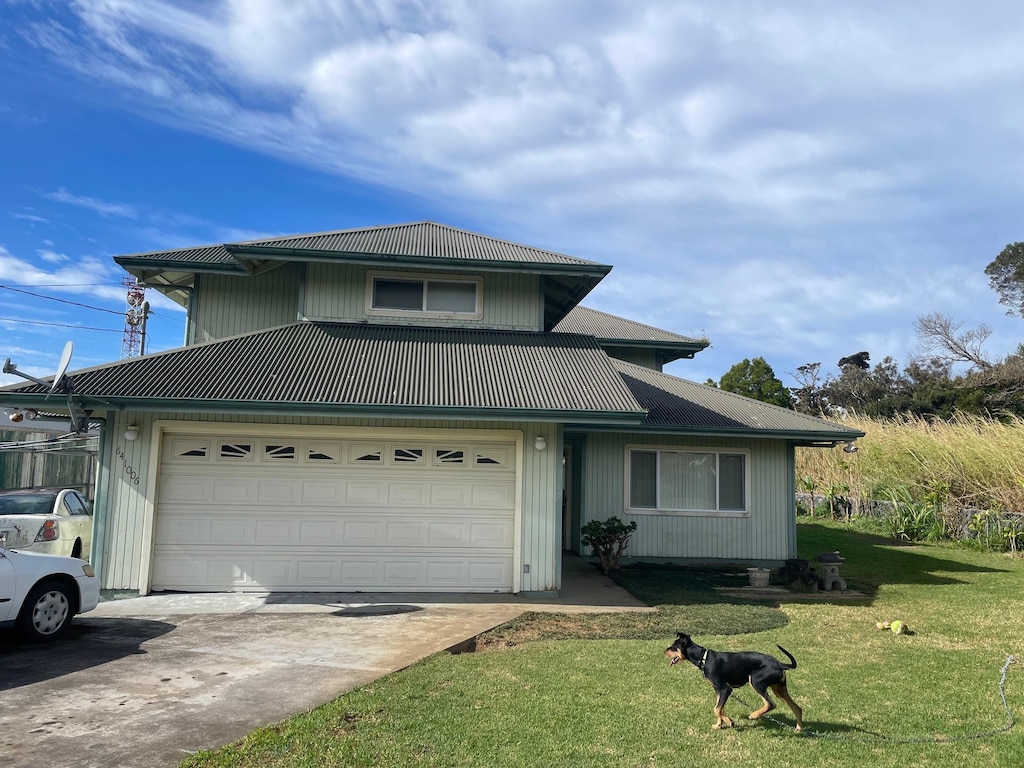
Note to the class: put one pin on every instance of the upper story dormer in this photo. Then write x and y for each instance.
(421, 274)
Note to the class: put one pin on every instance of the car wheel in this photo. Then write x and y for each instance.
(47, 612)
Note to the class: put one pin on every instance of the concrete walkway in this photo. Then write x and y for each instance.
(148, 680)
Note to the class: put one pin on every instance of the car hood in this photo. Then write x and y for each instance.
(32, 562)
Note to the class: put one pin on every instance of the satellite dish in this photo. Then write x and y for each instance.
(62, 366)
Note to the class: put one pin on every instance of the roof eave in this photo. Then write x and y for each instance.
(339, 410)
(801, 438)
(240, 252)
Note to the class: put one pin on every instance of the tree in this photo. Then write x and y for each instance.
(940, 335)
(756, 379)
(881, 392)
(1006, 276)
(808, 394)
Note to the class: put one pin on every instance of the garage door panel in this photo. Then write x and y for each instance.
(365, 493)
(276, 532)
(319, 515)
(185, 489)
(494, 496)
(279, 492)
(295, 569)
(407, 493)
(315, 492)
(232, 490)
(231, 531)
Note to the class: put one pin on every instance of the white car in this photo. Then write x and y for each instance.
(57, 521)
(39, 594)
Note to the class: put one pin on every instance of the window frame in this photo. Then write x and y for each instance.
(373, 276)
(668, 511)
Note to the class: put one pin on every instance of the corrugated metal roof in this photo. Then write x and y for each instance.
(334, 365)
(424, 239)
(675, 403)
(204, 255)
(611, 328)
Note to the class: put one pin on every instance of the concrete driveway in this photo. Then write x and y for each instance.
(148, 680)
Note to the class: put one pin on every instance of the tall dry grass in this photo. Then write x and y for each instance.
(976, 462)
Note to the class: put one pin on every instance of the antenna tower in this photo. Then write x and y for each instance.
(134, 317)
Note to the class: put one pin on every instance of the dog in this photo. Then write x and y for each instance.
(727, 671)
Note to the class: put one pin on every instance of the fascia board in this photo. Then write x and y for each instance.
(809, 439)
(345, 410)
(299, 254)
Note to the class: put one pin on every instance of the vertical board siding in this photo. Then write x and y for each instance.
(648, 358)
(125, 507)
(224, 306)
(767, 534)
(339, 292)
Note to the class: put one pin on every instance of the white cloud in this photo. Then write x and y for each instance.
(28, 217)
(101, 207)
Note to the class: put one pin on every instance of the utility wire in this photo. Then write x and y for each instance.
(62, 301)
(59, 325)
(61, 285)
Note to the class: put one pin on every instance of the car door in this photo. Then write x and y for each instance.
(80, 519)
(7, 585)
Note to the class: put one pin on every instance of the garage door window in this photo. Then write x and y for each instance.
(277, 453)
(238, 451)
(407, 456)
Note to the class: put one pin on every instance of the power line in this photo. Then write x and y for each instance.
(58, 325)
(62, 301)
(62, 285)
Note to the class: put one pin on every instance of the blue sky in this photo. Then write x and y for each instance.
(795, 180)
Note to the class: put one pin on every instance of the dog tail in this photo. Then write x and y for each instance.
(791, 665)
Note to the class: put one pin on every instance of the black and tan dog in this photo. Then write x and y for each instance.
(727, 671)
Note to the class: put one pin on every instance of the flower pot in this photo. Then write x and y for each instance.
(759, 576)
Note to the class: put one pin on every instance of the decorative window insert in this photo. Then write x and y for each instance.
(191, 449)
(278, 453)
(446, 457)
(490, 457)
(326, 454)
(365, 454)
(401, 455)
(430, 296)
(672, 481)
(236, 451)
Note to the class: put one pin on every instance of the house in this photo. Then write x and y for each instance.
(414, 408)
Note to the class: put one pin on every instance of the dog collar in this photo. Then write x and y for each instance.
(702, 660)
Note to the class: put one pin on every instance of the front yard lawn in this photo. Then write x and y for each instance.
(596, 690)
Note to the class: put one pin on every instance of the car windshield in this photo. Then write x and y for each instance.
(27, 504)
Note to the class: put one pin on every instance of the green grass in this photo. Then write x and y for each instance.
(609, 698)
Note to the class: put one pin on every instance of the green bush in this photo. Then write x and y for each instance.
(609, 539)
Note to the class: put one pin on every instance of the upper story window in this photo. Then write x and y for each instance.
(390, 294)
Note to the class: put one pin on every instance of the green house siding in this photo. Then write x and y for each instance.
(648, 358)
(223, 306)
(767, 534)
(339, 292)
(124, 533)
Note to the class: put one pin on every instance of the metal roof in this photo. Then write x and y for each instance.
(339, 367)
(675, 404)
(420, 240)
(611, 328)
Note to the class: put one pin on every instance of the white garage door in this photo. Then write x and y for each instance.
(304, 514)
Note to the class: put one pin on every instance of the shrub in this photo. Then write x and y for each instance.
(609, 539)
